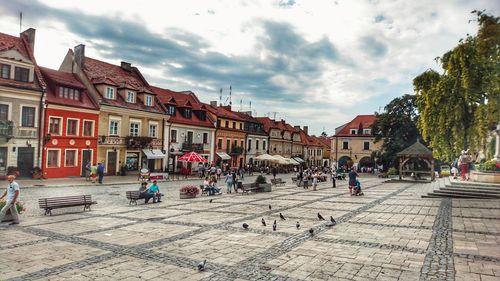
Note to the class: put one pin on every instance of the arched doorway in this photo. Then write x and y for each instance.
(365, 164)
(343, 162)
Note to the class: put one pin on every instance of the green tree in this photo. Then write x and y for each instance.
(458, 107)
(397, 128)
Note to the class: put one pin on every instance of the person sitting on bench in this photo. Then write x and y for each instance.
(155, 190)
(212, 186)
(144, 192)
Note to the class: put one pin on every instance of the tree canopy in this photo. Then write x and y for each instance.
(458, 107)
(396, 127)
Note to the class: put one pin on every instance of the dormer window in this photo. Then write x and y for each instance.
(4, 71)
(68, 93)
(110, 93)
(130, 97)
(366, 131)
(171, 110)
(187, 113)
(21, 74)
(148, 100)
(354, 131)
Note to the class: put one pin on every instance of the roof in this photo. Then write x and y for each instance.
(416, 149)
(359, 122)
(325, 141)
(308, 140)
(20, 45)
(99, 72)
(180, 99)
(268, 123)
(223, 112)
(250, 119)
(55, 78)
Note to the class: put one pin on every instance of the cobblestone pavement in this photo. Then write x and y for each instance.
(388, 234)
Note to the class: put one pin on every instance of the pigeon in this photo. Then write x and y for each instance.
(298, 225)
(282, 217)
(311, 231)
(211, 200)
(263, 222)
(245, 225)
(201, 265)
(270, 207)
(320, 217)
(333, 220)
(274, 225)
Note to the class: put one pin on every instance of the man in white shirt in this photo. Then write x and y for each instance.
(12, 194)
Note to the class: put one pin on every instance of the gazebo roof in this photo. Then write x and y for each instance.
(416, 149)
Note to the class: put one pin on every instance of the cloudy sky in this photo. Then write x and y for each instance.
(311, 62)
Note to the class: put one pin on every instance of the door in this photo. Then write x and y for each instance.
(190, 137)
(86, 157)
(25, 156)
(111, 167)
(151, 165)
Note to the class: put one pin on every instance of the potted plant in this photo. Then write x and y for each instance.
(188, 191)
(261, 181)
(37, 173)
(392, 172)
(8, 216)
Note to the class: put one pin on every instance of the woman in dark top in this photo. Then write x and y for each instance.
(352, 179)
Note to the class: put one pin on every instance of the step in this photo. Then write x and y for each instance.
(464, 194)
(432, 195)
(471, 190)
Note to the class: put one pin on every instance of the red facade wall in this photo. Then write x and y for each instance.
(63, 142)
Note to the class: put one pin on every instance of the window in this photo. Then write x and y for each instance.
(242, 144)
(72, 127)
(218, 123)
(366, 131)
(131, 97)
(256, 144)
(187, 113)
(149, 100)
(219, 144)
(4, 71)
(227, 124)
(171, 110)
(55, 126)
(135, 129)
(345, 145)
(205, 137)
(21, 74)
(110, 93)
(249, 144)
(88, 128)
(366, 145)
(264, 145)
(28, 116)
(241, 126)
(70, 158)
(353, 131)
(228, 144)
(153, 129)
(113, 127)
(52, 158)
(234, 125)
(4, 112)
(173, 136)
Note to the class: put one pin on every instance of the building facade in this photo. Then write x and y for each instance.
(189, 128)
(353, 143)
(131, 119)
(256, 138)
(71, 121)
(22, 95)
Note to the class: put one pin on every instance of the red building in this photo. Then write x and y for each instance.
(71, 123)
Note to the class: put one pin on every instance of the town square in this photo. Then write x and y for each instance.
(250, 140)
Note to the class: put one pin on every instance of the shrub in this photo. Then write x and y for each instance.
(260, 179)
(490, 165)
(190, 189)
(19, 206)
(392, 171)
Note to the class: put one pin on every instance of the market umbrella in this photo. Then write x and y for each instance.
(192, 157)
(265, 157)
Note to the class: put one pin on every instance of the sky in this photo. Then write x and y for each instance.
(315, 63)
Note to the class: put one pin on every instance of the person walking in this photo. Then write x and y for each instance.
(12, 195)
(275, 171)
(87, 171)
(352, 180)
(100, 172)
(315, 180)
(334, 178)
(229, 182)
(235, 180)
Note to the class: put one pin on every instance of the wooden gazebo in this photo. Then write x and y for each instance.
(416, 151)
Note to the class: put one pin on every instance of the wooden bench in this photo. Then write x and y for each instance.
(277, 181)
(133, 196)
(65, 202)
(250, 187)
(204, 191)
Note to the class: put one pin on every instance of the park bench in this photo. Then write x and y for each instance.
(250, 187)
(133, 196)
(277, 181)
(65, 202)
(204, 191)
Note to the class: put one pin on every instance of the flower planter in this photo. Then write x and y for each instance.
(266, 187)
(487, 177)
(183, 195)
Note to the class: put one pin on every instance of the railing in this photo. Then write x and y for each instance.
(111, 140)
(196, 147)
(157, 142)
(6, 129)
(235, 150)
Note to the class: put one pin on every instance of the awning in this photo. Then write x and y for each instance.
(264, 157)
(293, 161)
(153, 153)
(281, 160)
(223, 155)
(298, 159)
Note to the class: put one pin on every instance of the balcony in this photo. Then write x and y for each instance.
(235, 150)
(111, 140)
(196, 147)
(6, 128)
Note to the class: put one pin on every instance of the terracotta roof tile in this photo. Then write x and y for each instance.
(359, 122)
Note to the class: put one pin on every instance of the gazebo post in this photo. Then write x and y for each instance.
(400, 167)
(433, 175)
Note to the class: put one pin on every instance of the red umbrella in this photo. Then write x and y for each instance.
(192, 157)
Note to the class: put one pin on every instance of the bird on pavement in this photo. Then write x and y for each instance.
(297, 225)
(245, 225)
(211, 200)
(333, 220)
(263, 222)
(320, 217)
(201, 265)
(270, 207)
(311, 231)
(274, 225)
(282, 217)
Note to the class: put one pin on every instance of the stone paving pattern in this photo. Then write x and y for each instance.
(388, 234)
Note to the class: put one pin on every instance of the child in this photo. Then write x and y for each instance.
(357, 189)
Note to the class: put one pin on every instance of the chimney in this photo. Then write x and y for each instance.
(29, 34)
(227, 107)
(297, 128)
(213, 103)
(249, 113)
(126, 66)
(305, 129)
(80, 55)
